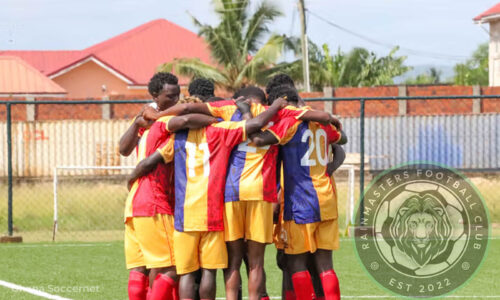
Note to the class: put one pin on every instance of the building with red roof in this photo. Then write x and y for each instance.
(121, 65)
(490, 14)
(492, 17)
(18, 78)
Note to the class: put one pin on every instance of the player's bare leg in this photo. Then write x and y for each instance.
(187, 286)
(329, 280)
(138, 283)
(232, 277)
(256, 268)
(263, 288)
(208, 284)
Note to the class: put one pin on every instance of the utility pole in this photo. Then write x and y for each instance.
(305, 47)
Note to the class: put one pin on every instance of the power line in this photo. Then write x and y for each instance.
(390, 46)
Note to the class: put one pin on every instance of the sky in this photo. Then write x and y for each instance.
(429, 32)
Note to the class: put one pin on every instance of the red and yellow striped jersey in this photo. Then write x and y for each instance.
(154, 193)
(201, 158)
(252, 170)
(310, 194)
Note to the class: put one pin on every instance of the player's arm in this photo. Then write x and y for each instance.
(177, 110)
(255, 124)
(320, 117)
(338, 159)
(244, 107)
(191, 121)
(130, 138)
(343, 138)
(264, 138)
(144, 167)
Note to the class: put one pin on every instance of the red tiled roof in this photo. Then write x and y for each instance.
(138, 52)
(18, 77)
(46, 61)
(135, 54)
(495, 10)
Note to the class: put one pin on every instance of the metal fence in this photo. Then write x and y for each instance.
(64, 179)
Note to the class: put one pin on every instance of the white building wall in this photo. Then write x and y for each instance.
(494, 53)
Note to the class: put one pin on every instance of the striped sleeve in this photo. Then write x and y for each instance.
(222, 109)
(332, 133)
(166, 149)
(285, 129)
(163, 123)
(292, 112)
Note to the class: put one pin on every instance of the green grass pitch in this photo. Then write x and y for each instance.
(98, 270)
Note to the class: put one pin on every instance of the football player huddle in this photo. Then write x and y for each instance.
(219, 179)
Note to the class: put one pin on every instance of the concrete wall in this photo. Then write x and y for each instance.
(342, 108)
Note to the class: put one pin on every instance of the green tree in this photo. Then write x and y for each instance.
(358, 67)
(236, 43)
(475, 69)
(433, 76)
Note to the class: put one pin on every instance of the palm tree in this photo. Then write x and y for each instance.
(359, 67)
(236, 46)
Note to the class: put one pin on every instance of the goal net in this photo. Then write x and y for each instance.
(89, 202)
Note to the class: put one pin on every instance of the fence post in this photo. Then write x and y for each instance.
(9, 170)
(30, 109)
(328, 93)
(476, 103)
(402, 104)
(362, 163)
(106, 109)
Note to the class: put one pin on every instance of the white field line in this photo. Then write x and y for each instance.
(31, 291)
(380, 297)
(57, 245)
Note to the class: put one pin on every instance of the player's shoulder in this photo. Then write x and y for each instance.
(296, 108)
(222, 103)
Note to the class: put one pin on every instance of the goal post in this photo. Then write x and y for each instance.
(351, 202)
(56, 171)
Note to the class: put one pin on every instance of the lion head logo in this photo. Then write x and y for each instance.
(421, 228)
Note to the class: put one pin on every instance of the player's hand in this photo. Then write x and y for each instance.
(242, 98)
(150, 113)
(242, 105)
(280, 102)
(336, 122)
(141, 122)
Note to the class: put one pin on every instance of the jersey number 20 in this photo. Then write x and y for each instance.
(321, 153)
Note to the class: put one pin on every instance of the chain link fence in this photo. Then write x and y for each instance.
(62, 178)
